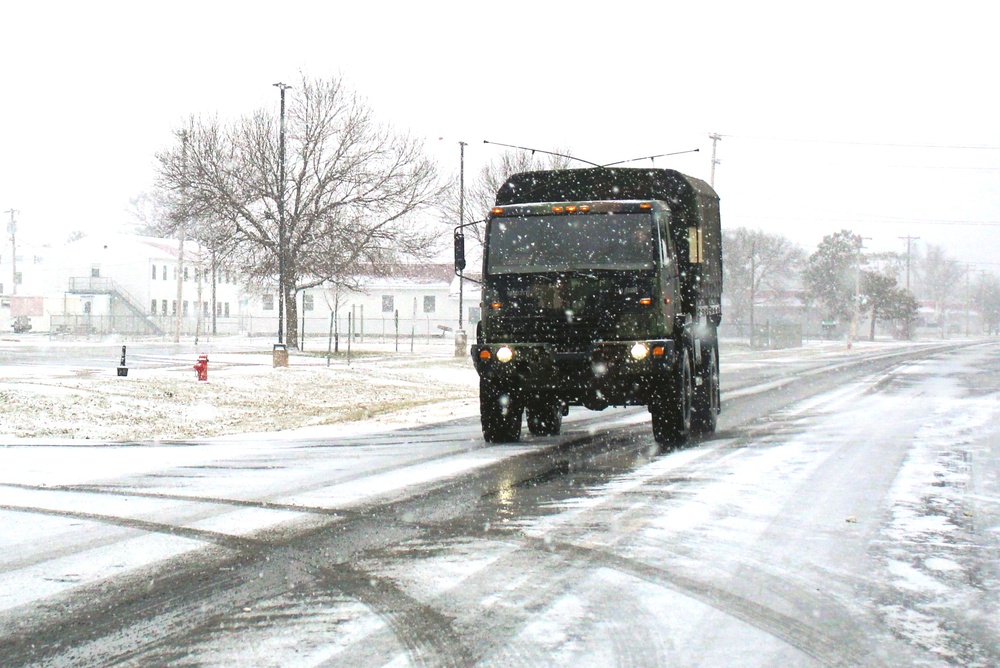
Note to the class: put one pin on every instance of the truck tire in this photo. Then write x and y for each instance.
(672, 411)
(544, 416)
(707, 395)
(500, 413)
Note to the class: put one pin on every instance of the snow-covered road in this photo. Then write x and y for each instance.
(841, 516)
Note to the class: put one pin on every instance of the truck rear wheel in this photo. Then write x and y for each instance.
(544, 416)
(500, 413)
(672, 411)
(706, 396)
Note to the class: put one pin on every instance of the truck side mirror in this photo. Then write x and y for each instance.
(459, 251)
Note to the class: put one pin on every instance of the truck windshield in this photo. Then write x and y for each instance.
(570, 242)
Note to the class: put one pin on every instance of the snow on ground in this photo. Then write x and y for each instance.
(245, 393)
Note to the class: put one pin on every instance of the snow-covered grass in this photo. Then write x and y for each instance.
(54, 400)
(244, 392)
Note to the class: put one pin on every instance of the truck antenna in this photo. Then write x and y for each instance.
(538, 150)
(650, 157)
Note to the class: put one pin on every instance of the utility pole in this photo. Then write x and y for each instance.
(281, 217)
(909, 240)
(968, 297)
(856, 315)
(12, 229)
(461, 221)
(716, 138)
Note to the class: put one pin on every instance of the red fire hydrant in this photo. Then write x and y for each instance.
(202, 367)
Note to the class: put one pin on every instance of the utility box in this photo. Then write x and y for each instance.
(280, 355)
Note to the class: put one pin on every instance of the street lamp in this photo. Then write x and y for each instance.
(281, 217)
(460, 337)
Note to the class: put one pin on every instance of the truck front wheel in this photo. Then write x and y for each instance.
(672, 409)
(500, 412)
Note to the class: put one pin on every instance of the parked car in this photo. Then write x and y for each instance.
(22, 324)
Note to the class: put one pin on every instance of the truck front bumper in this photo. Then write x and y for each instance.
(607, 373)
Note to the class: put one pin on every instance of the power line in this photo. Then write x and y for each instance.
(959, 147)
(876, 221)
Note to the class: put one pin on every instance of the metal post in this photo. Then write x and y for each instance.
(281, 216)
(461, 221)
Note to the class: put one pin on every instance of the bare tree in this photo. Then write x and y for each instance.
(939, 278)
(481, 191)
(353, 193)
(757, 263)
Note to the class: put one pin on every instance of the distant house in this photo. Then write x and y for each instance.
(422, 300)
(129, 284)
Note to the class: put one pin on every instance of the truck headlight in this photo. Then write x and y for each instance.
(504, 354)
(639, 351)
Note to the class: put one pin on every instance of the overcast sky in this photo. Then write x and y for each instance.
(881, 118)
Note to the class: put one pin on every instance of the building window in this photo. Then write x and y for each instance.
(186, 274)
(95, 272)
(225, 310)
(218, 309)
(268, 302)
(17, 278)
(164, 272)
(154, 274)
(163, 307)
(387, 304)
(173, 307)
(207, 309)
(184, 308)
(307, 302)
(428, 304)
(152, 305)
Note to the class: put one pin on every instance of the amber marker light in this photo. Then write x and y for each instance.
(571, 209)
(495, 305)
(645, 301)
(497, 211)
(484, 354)
(557, 209)
(585, 208)
(659, 351)
(645, 205)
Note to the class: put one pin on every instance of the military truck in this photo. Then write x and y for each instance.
(601, 287)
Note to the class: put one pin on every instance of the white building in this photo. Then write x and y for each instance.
(129, 284)
(126, 284)
(418, 300)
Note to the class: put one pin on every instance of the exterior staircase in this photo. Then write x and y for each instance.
(96, 285)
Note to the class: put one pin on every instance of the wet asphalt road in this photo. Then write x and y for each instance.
(593, 548)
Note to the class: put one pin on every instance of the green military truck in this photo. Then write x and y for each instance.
(601, 287)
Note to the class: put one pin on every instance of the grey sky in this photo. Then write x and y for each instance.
(827, 114)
